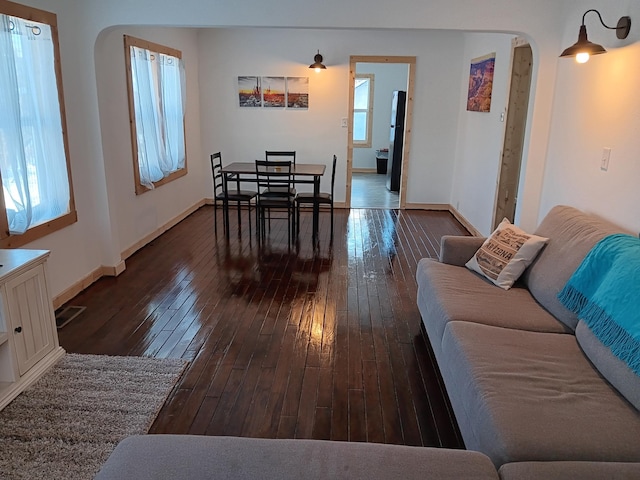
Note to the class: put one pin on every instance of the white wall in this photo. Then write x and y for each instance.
(243, 134)
(387, 78)
(133, 217)
(95, 239)
(596, 105)
(481, 135)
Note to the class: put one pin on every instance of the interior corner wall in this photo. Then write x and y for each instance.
(243, 134)
(481, 135)
(596, 106)
(430, 30)
(137, 216)
(388, 77)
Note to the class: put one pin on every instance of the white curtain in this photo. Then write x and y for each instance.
(33, 164)
(159, 113)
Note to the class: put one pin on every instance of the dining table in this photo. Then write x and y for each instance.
(302, 173)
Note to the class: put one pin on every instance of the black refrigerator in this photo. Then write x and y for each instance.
(396, 140)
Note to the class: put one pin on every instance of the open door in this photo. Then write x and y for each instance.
(411, 63)
(516, 122)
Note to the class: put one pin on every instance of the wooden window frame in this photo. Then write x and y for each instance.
(129, 42)
(367, 142)
(8, 240)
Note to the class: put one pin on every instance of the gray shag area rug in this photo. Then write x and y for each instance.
(67, 424)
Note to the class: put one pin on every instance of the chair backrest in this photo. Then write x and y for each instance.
(216, 170)
(275, 155)
(274, 174)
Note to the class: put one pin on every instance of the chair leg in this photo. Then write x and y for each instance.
(331, 221)
(215, 217)
(292, 218)
(263, 224)
(225, 218)
(257, 221)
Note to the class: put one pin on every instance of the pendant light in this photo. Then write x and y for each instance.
(317, 63)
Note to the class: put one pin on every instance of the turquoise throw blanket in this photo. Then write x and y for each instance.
(605, 293)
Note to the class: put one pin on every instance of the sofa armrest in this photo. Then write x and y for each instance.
(458, 249)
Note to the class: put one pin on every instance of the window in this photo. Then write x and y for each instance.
(362, 110)
(155, 82)
(34, 162)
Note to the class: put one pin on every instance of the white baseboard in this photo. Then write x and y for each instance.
(427, 206)
(115, 270)
(465, 223)
(160, 230)
(445, 207)
(76, 288)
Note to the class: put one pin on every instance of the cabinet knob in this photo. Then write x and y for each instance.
(18, 329)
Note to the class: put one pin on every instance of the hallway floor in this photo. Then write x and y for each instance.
(369, 190)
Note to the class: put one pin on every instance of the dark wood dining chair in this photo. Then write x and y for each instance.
(225, 192)
(283, 155)
(275, 180)
(304, 199)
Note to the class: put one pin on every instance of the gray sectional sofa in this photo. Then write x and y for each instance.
(193, 457)
(536, 395)
(527, 380)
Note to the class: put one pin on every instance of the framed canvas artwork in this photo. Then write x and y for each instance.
(273, 92)
(249, 92)
(481, 83)
(298, 92)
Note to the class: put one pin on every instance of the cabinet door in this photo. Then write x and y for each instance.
(31, 317)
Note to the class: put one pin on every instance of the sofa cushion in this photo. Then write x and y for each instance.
(505, 254)
(448, 293)
(458, 249)
(571, 234)
(530, 396)
(570, 471)
(611, 367)
(176, 457)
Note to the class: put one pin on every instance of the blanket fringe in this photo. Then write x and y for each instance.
(621, 344)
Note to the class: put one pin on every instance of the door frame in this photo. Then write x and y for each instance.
(516, 43)
(411, 62)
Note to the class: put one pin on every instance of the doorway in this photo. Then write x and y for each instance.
(516, 122)
(367, 187)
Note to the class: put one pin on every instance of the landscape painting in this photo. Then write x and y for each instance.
(481, 83)
(298, 92)
(273, 92)
(249, 92)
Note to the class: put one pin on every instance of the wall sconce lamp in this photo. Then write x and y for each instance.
(583, 48)
(317, 63)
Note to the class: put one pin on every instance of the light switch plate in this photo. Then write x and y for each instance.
(604, 162)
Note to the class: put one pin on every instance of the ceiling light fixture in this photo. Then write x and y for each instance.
(583, 48)
(317, 63)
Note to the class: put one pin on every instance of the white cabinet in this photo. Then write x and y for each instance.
(28, 337)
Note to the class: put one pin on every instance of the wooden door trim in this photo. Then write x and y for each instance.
(411, 62)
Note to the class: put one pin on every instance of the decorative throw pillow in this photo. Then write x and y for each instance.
(505, 254)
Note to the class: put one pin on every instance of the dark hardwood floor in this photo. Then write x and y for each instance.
(321, 343)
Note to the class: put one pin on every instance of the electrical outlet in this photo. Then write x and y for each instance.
(343, 123)
(604, 161)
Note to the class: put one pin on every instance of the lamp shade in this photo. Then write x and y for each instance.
(583, 48)
(317, 62)
(583, 45)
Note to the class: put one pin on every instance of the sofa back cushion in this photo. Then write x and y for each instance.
(571, 235)
(611, 367)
